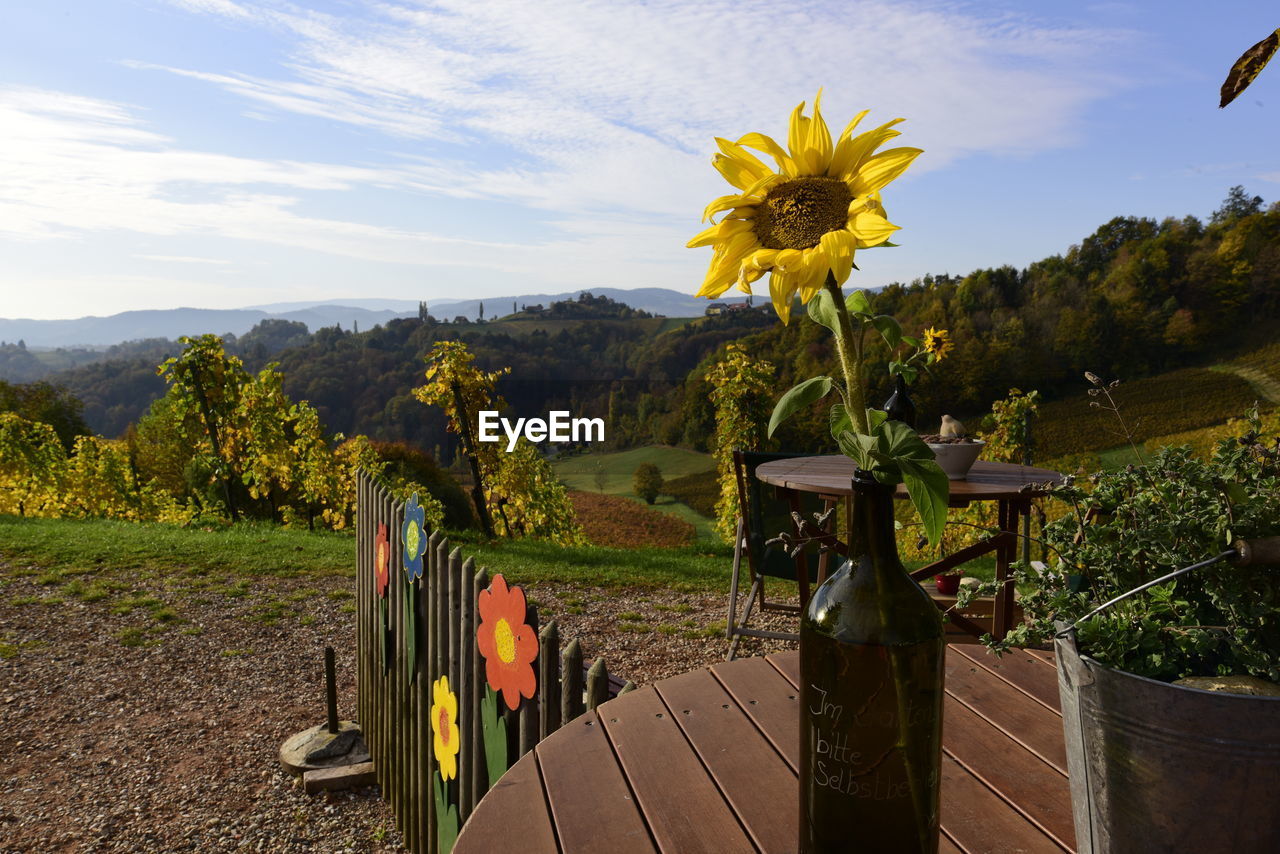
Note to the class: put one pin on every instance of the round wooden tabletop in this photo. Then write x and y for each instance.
(832, 474)
(707, 762)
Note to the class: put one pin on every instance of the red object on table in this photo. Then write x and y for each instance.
(832, 475)
(707, 761)
(947, 585)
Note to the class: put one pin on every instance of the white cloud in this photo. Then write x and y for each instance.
(593, 117)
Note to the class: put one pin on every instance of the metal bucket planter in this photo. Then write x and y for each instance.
(1158, 767)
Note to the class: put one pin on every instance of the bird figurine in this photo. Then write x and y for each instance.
(951, 428)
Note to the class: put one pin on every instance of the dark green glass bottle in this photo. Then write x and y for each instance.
(871, 657)
(899, 406)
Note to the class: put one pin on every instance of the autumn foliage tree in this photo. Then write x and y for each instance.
(517, 490)
(742, 394)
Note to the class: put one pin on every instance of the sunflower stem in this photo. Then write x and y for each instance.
(850, 359)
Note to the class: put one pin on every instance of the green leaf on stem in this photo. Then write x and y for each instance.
(889, 329)
(929, 489)
(840, 421)
(822, 310)
(858, 303)
(798, 397)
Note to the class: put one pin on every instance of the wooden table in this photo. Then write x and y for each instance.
(706, 762)
(832, 476)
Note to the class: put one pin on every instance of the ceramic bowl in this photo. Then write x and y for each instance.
(956, 459)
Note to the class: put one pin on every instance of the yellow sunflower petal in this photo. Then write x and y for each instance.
(451, 709)
(813, 275)
(818, 144)
(760, 142)
(734, 171)
(851, 153)
(870, 229)
(839, 246)
(722, 230)
(798, 135)
(748, 160)
(723, 203)
(881, 169)
(782, 291)
(840, 155)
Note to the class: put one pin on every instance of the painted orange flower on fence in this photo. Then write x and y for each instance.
(444, 727)
(508, 644)
(381, 559)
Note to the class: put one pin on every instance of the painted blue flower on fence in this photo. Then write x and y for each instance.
(414, 537)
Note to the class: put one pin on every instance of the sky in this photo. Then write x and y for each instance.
(226, 153)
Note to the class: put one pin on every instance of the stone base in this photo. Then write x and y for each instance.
(338, 778)
(317, 748)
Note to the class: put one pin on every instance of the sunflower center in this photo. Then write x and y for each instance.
(505, 641)
(443, 723)
(795, 214)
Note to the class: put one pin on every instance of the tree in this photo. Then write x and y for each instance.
(1237, 204)
(206, 384)
(600, 477)
(741, 386)
(516, 493)
(647, 482)
(482, 311)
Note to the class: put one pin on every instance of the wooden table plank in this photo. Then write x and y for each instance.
(1023, 670)
(1020, 777)
(1021, 718)
(685, 809)
(590, 801)
(516, 808)
(753, 777)
(768, 699)
(980, 822)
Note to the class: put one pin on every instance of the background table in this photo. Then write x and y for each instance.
(707, 762)
(832, 476)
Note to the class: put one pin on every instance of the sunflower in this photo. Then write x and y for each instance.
(803, 221)
(937, 342)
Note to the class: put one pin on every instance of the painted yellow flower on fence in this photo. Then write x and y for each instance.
(806, 218)
(444, 727)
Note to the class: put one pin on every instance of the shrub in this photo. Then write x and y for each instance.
(647, 482)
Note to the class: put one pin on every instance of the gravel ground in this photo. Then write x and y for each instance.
(156, 729)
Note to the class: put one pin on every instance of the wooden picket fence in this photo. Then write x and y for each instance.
(432, 626)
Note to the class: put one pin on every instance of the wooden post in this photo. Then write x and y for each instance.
(549, 679)
(571, 704)
(480, 781)
(429, 670)
(529, 707)
(597, 684)
(466, 686)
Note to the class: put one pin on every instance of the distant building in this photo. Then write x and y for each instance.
(716, 308)
(462, 318)
(534, 309)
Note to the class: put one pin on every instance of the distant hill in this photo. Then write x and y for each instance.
(175, 322)
(96, 332)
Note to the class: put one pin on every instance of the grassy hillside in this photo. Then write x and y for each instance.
(580, 473)
(1177, 401)
(618, 467)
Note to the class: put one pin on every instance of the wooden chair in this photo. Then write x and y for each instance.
(763, 517)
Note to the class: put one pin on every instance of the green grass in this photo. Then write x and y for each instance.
(693, 568)
(77, 546)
